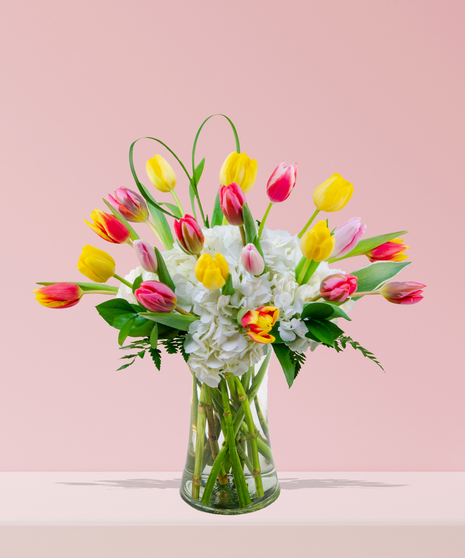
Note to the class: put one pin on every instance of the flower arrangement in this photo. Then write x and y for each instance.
(228, 294)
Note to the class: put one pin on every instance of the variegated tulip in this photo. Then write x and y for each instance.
(59, 295)
(281, 182)
(232, 200)
(189, 235)
(108, 227)
(259, 323)
(130, 204)
(392, 251)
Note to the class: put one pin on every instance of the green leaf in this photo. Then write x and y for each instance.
(217, 216)
(162, 271)
(376, 274)
(228, 287)
(137, 283)
(321, 331)
(112, 309)
(173, 208)
(161, 226)
(323, 311)
(156, 356)
(176, 321)
(86, 287)
(154, 336)
(249, 224)
(124, 332)
(342, 343)
(368, 244)
(132, 233)
(126, 365)
(198, 171)
(282, 352)
(192, 196)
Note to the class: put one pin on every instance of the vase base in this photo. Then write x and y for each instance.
(224, 498)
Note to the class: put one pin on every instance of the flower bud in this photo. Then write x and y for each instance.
(281, 182)
(96, 264)
(131, 205)
(232, 199)
(108, 227)
(338, 287)
(146, 255)
(59, 295)
(252, 260)
(161, 173)
(156, 297)
(259, 323)
(189, 234)
(333, 194)
(406, 292)
(346, 237)
(212, 271)
(317, 243)
(392, 251)
(239, 168)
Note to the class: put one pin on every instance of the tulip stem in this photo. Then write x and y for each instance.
(265, 217)
(241, 228)
(153, 229)
(310, 221)
(183, 312)
(178, 203)
(365, 293)
(121, 280)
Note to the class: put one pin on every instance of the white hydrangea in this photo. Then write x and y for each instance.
(216, 343)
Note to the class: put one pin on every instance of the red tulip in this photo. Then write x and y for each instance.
(108, 227)
(189, 235)
(232, 199)
(281, 182)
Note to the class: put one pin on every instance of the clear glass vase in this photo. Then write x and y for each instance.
(229, 466)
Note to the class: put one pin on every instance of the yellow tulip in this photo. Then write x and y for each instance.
(212, 271)
(161, 174)
(96, 264)
(333, 194)
(317, 243)
(239, 168)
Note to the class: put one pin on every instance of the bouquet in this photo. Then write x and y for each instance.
(227, 292)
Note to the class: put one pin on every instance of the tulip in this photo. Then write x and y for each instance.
(161, 174)
(333, 194)
(146, 255)
(212, 271)
(281, 182)
(108, 227)
(317, 243)
(131, 205)
(156, 296)
(59, 295)
(389, 251)
(232, 199)
(96, 264)
(406, 292)
(189, 235)
(239, 168)
(338, 287)
(259, 323)
(346, 237)
(252, 260)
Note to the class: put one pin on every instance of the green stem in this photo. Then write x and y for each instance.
(127, 283)
(253, 437)
(183, 312)
(263, 448)
(241, 485)
(303, 272)
(200, 434)
(309, 222)
(261, 418)
(241, 228)
(153, 229)
(307, 271)
(232, 388)
(244, 457)
(111, 293)
(178, 202)
(265, 217)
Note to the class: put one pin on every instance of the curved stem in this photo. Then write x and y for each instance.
(178, 203)
(198, 463)
(265, 217)
(121, 280)
(309, 222)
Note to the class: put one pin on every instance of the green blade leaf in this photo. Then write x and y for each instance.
(173, 208)
(249, 224)
(132, 233)
(198, 171)
(176, 321)
(228, 287)
(376, 274)
(323, 311)
(162, 271)
(217, 216)
(124, 331)
(368, 244)
(137, 283)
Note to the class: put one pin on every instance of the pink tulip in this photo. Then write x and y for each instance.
(281, 182)
(130, 204)
(232, 198)
(406, 292)
(146, 255)
(338, 287)
(346, 236)
(189, 235)
(252, 260)
(156, 296)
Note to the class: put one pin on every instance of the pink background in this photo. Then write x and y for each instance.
(371, 89)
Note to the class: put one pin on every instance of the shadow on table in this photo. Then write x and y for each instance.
(131, 483)
(297, 484)
(293, 483)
